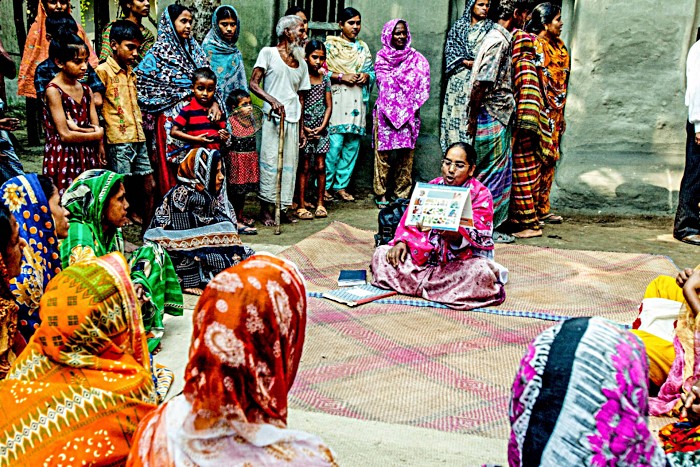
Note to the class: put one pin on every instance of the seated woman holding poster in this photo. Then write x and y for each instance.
(453, 268)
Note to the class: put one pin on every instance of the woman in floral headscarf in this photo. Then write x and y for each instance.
(248, 336)
(164, 83)
(84, 381)
(461, 48)
(36, 206)
(403, 82)
(196, 223)
(220, 46)
(97, 208)
(580, 397)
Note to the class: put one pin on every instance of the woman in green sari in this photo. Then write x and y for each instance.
(97, 206)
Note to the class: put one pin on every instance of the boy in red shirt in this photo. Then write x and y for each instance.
(192, 125)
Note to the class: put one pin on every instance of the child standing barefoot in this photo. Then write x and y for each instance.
(73, 135)
(317, 112)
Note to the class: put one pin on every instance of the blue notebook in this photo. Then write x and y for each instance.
(351, 277)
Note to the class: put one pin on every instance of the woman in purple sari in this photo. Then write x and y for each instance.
(403, 80)
(452, 268)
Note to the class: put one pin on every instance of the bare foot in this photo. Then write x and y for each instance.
(193, 291)
(158, 348)
(267, 219)
(528, 233)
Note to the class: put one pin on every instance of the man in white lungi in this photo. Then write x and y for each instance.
(286, 79)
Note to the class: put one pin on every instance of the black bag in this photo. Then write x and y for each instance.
(388, 220)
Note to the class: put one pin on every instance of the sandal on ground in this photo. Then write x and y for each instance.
(193, 291)
(500, 237)
(321, 212)
(247, 221)
(245, 230)
(552, 219)
(327, 197)
(344, 195)
(381, 204)
(304, 214)
(528, 233)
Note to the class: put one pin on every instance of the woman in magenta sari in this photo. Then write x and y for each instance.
(403, 80)
(453, 268)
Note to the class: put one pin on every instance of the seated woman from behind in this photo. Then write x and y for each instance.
(453, 268)
(36, 206)
(668, 325)
(97, 207)
(196, 223)
(246, 347)
(84, 381)
(580, 398)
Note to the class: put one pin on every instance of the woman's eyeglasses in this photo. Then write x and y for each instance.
(458, 165)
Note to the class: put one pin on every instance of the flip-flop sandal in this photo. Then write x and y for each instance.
(552, 219)
(345, 196)
(328, 197)
(245, 230)
(381, 204)
(321, 212)
(304, 214)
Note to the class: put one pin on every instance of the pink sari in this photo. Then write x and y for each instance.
(459, 276)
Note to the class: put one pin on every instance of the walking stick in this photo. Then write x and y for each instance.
(280, 167)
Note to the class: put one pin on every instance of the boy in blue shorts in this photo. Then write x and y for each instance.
(126, 142)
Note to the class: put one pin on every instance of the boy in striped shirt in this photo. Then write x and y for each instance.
(192, 125)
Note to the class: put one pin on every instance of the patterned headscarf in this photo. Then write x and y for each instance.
(164, 76)
(84, 378)
(198, 172)
(580, 397)
(249, 328)
(225, 58)
(464, 39)
(350, 57)
(85, 201)
(41, 261)
(403, 78)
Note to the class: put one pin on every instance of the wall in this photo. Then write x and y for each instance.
(625, 138)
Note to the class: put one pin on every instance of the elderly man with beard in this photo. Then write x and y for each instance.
(286, 78)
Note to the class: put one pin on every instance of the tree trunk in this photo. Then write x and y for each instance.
(201, 11)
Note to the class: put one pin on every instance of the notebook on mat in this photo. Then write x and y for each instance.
(350, 277)
(358, 295)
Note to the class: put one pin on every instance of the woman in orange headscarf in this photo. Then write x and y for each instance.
(246, 346)
(36, 48)
(78, 391)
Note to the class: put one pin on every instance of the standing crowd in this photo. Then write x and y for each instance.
(171, 123)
